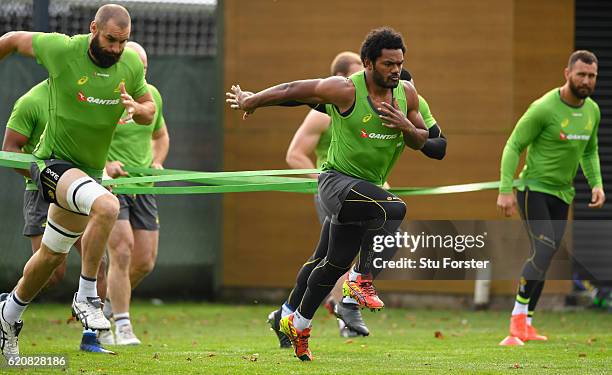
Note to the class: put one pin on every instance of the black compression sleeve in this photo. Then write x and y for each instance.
(295, 103)
(435, 147)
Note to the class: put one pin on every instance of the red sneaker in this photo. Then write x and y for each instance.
(299, 339)
(363, 292)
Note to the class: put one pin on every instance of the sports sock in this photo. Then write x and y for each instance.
(349, 301)
(13, 309)
(520, 306)
(299, 322)
(122, 319)
(286, 310)
(87, 288)
(352, 276)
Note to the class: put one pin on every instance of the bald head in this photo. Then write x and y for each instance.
(113, 12)
(346, 63)
(140, 51)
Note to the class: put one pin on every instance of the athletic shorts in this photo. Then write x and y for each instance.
(140, 210)
(35, 211)
(47, 187)
(333, 189)
(322, 212)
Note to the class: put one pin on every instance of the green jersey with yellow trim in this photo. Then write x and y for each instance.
(361, 146)
(84, 99)
(558, 137)
(325, 139)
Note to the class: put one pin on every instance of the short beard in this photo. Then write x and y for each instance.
(380, 80)
(574, 89)
(100, 57)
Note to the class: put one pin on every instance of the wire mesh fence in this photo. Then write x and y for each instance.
(174, 28)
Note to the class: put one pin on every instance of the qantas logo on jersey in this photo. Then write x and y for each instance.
(364, 134)
(90, 99)
(574, 137)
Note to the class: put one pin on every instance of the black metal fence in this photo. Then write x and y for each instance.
(177, 28)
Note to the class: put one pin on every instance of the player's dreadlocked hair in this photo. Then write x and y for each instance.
(379, 39)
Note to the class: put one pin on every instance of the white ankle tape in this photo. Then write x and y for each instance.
(82, 193)
(58, 238)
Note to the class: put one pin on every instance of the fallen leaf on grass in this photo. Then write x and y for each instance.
(349, 341)
(516, 365)
(156, 356)
(438, 335)
(582, 355)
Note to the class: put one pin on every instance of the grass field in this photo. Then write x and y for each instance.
(216, 339)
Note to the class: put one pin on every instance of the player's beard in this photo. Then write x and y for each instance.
(580, 92)
(100, 57)
(379, 79)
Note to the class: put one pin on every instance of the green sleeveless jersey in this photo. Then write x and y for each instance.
(425, 112)
(323, 147)
(325, 139)
(558, 138)
(361, 146)
(84, 99)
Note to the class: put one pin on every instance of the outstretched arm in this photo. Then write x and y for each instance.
(334, 90)
(16, 41)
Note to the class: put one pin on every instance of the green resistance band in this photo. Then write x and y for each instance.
(236, 182)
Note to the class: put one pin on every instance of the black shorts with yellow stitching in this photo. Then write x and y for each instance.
(46, 174)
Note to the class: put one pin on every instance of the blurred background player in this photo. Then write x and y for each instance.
(559, 131)
(133, 242)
